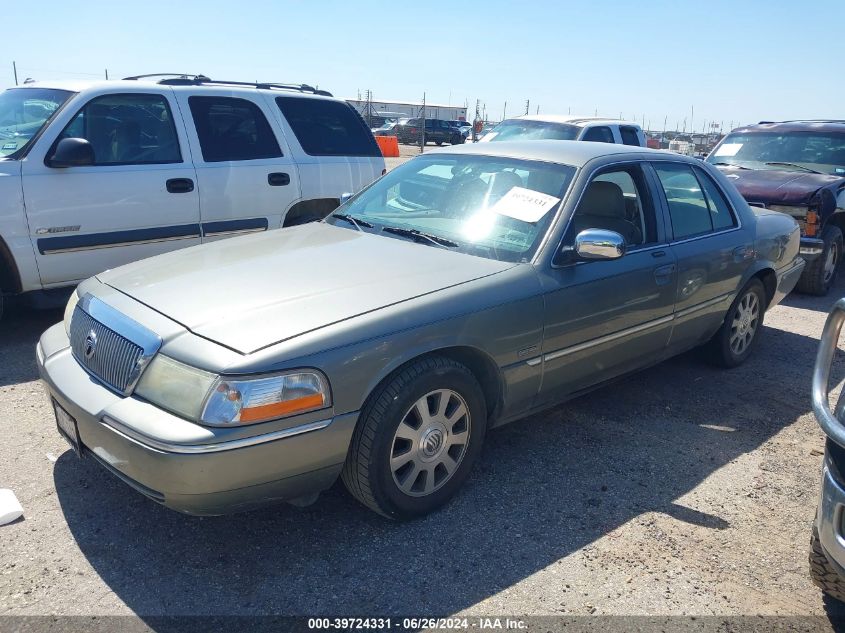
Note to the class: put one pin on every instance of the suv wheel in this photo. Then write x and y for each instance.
(417, 439)
(735, 340)
(820, 273)
(823, 574)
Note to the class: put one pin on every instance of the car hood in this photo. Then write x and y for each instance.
(775, 186)
(249, 292)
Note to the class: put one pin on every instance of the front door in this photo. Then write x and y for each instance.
(607, 317)
(247, 177)
(137, 199)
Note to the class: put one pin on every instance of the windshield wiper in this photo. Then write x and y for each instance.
(777, 163)
(356, 222)
(420, 236)
(730, 165)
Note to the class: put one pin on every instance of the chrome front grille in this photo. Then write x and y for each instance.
(109, 345)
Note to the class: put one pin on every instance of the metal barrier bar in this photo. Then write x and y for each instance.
(826, 418)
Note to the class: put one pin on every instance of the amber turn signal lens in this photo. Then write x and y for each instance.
(281, 409)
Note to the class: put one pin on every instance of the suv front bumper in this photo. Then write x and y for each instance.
(831, 509)
(215, 476)
(811, 248)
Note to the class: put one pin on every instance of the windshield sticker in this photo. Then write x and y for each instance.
(11, 145)
(524, 204)
(728, 149)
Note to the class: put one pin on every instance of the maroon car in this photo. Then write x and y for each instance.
(797, 167)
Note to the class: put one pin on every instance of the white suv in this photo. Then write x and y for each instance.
(98, 174)
(566, 128)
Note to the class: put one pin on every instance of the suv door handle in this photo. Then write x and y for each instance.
(663, 274)
(278, 179)
(180, 185)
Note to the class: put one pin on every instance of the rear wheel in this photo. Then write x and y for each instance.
(823, 574)
(418, 437)
(735, 340)
(820, 273)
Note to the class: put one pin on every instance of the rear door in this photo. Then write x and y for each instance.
(599, 134)
(711, 248)
(247, 178)
(138, 199)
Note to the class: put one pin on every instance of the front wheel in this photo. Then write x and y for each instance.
(820, 273)
(735, 340)
(417, 439)
(822, 573)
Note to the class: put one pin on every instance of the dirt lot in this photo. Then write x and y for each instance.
(681, 490)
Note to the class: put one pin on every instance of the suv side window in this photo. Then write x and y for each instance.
(232, 129)
(688, 207)
(629, 135)
(600, 134)
(618, 200)
(720, 210)
(127, 129)
(329, 128)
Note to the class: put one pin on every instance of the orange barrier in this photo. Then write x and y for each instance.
(389, 146)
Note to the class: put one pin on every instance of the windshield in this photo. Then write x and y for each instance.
(817, 151)
(525, 130)
(23, 112)
(492, 207)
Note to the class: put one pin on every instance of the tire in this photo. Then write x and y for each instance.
(823, 574)
(732, 345)
(439, 143)
(820, 273)
(375, 472)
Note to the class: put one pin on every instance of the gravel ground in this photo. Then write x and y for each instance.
(683, 489)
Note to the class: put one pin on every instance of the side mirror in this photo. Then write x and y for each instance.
(72, 152)
(344, 197)
(599, 244)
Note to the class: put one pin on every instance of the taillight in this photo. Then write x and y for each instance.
(414, 130)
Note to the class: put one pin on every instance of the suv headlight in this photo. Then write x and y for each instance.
(69, 308)
(227, 401)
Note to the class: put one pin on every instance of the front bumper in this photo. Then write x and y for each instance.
(207, 473)
(831, 510)
(811, 248)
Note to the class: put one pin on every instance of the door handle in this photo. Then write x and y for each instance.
(278, 179)
(180, 185)
(658, 253)
(663, 274)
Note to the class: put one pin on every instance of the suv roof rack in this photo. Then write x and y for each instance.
(183, 79)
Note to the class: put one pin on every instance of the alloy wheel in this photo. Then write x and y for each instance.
(430, 442)
(745, 321)
(830, 262)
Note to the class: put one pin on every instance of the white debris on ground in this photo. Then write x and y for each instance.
(10, 507)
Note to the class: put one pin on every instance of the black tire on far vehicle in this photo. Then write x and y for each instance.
(439, 143)
(735, 340)
(417, 438)
(823, 574)
(820, 273)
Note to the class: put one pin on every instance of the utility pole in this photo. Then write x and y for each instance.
(15, 70)
(107, 74)
(538, 109)
(505, 111)
(527, 103)
(422, 127)
(475, 120)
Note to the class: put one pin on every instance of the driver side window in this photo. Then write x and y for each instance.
(127, 129)
(617, 200)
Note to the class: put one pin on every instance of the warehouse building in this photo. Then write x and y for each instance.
(395, 109)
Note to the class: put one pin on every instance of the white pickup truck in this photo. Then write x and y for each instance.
(98, 174)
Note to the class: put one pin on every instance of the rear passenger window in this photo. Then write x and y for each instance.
(601, 134)
(329, 128)
(720, 211)
(127, 129)
(232, 129)
(688, 208)
(629, 136)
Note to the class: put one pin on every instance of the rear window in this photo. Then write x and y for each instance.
(328, 128)
(232, 129)
(629, 136)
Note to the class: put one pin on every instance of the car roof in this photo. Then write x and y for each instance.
(574, 153)
(581, 121)
(793, 126)
(118, 85)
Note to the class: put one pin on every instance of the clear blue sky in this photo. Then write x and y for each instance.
(740, 60)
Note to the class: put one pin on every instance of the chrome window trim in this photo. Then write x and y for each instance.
(149, 341)
(705, 235)
(216, 447)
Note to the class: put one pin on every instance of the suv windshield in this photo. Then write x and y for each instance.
(23, 112)
(817, 151)
(492, 207)
(525, 130)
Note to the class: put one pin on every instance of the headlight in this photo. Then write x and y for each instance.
(249, 400)
(69, 308)
(175, 386)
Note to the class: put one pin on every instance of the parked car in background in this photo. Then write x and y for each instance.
(479, 284)
(99, 174)
(465, 127)
(797, 167)
(827, 541)
(567, 128)
(387, 129)
(437, 131)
